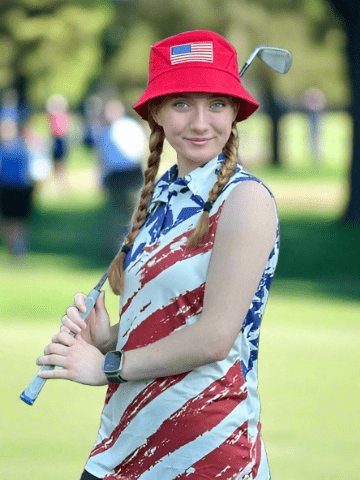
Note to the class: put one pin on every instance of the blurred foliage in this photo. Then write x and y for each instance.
(56, 47)
(76, 47)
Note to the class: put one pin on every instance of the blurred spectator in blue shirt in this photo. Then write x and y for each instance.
(120, 145)
(16, 188)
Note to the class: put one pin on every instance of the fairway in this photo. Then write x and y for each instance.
(308, 359)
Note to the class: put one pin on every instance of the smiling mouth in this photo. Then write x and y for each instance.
(198, 141)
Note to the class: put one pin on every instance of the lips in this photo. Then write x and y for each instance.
(198, 141)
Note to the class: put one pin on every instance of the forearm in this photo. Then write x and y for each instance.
(182, 351)
(112, 341)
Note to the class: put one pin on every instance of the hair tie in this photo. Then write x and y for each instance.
(207, 207)
(125, 249)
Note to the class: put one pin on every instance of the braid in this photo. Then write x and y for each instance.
(227, 170)
(116, 269)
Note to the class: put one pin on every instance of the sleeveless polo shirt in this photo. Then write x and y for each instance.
(202, 424)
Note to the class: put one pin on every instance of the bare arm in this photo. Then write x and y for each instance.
(244, 239)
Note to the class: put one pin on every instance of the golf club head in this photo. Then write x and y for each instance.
(276, 58)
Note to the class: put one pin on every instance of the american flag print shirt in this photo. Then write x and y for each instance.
(203, 424)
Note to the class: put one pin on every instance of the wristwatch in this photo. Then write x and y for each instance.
(112, 366)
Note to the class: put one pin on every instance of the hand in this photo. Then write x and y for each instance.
(95, 330)
(80, 361)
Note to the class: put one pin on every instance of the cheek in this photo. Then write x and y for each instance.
(172, 127)
(225, 127)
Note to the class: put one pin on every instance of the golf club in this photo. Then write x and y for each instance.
(31, 393)
(276, 58)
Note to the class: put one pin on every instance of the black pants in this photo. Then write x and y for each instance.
(87, 476)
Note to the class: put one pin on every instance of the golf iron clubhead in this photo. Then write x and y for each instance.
(276, 58)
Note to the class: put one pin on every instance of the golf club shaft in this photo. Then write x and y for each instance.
(31, 393)
(243, 69)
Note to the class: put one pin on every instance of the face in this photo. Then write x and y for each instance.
(197, 126)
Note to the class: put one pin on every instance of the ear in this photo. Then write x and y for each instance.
(236, 110)
(155, 114)
(157, 117)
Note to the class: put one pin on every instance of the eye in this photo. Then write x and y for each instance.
(218, 104)
(180, 104)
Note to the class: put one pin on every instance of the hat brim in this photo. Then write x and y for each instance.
(197, 79)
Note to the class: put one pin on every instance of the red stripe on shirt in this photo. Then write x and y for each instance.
(177, 251)
(166, 319)
(140, 401)
(225, 462)
(172, 253)
(110, 391)
(196, 417)
(256, 454)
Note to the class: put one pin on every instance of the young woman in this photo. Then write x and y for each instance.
(194, 276)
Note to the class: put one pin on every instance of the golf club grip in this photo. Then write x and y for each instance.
(31, 393)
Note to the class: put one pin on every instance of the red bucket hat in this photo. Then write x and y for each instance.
(198, 61)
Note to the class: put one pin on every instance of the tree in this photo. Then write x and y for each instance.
(52, 46)
(349, 12)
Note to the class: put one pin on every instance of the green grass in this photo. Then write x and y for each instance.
(309, 358)
(309, 355)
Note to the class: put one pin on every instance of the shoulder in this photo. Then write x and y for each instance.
(249, 210)
(251, 191)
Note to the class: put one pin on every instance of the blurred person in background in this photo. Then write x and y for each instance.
(120, 146)
(10, 105)
(59, 122)
(94, 122)
(40, 156)
(16, 188)
(194, 274)
(315, 103)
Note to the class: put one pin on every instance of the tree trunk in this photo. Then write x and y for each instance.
(274, 110)
(352, 213)
(349, 12)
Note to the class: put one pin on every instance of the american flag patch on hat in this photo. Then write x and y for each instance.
(192, 52)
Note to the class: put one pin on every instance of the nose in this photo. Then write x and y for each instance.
(199, 119)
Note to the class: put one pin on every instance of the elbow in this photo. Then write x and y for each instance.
(221, 354)
(220, 348)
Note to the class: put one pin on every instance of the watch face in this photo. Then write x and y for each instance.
(112, 362)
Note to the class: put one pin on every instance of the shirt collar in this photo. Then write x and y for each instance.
(199, 181)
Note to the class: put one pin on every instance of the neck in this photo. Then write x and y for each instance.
(185, 167)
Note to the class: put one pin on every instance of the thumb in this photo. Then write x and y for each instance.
(100, 307)
(100, 303)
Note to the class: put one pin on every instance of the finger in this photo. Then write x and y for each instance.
(53, 360)
(78, 338)
(73, 313)
(54, 374)
(56, 348)
(64, 329)
(100, 303)
(79, 301)
(63, 338)
(74, 326)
